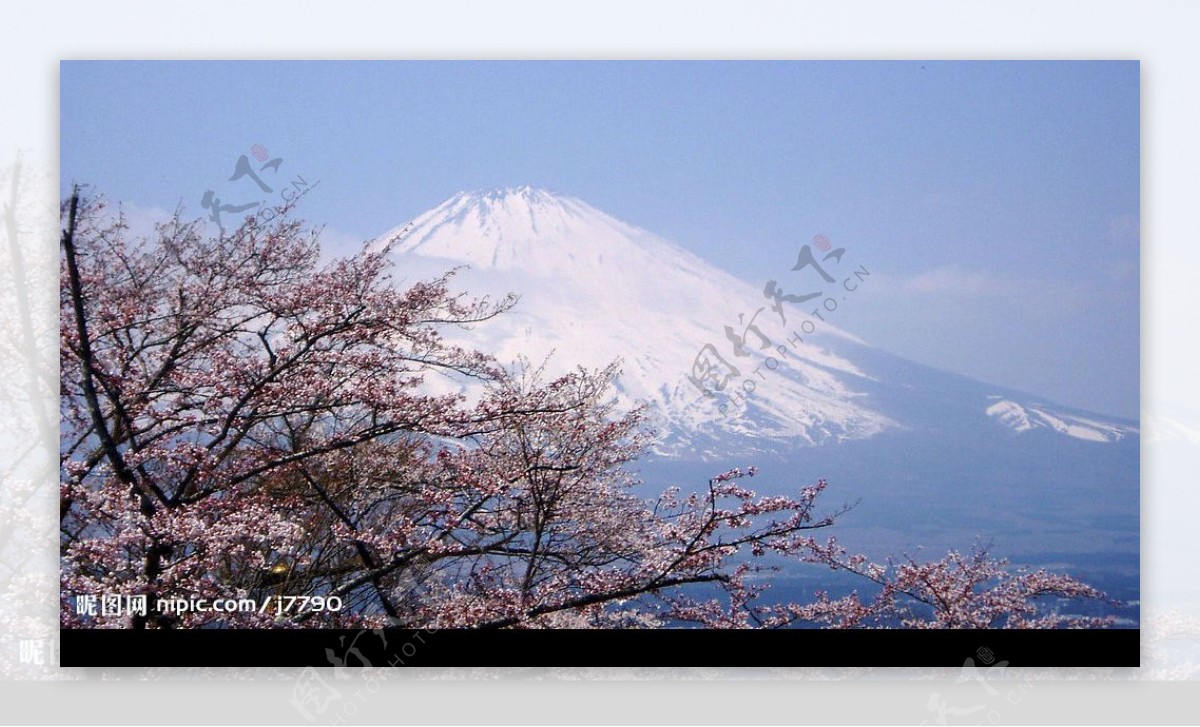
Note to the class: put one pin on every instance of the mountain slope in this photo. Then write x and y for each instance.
(594, 289)
(936, 461)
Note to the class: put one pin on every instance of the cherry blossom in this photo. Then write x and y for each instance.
(240, 421)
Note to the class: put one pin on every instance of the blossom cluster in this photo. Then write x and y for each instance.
(242, 421)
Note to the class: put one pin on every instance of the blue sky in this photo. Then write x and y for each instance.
(996, 204)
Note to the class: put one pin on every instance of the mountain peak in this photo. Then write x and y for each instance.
(524, 193)
(471, 212)
(504, 197)
(594, 289)
(527, 229)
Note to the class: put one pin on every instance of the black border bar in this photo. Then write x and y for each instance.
(582, 648)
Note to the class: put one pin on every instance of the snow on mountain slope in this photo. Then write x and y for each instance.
(594, 289)
(1027, 418)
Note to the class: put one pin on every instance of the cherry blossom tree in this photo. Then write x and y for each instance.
(970, 590)
(240, 421)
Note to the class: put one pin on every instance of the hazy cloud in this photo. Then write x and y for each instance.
(951, 279)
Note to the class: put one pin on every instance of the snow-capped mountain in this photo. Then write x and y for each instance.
(937, 459)
(594, 289)
(1025, 418)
